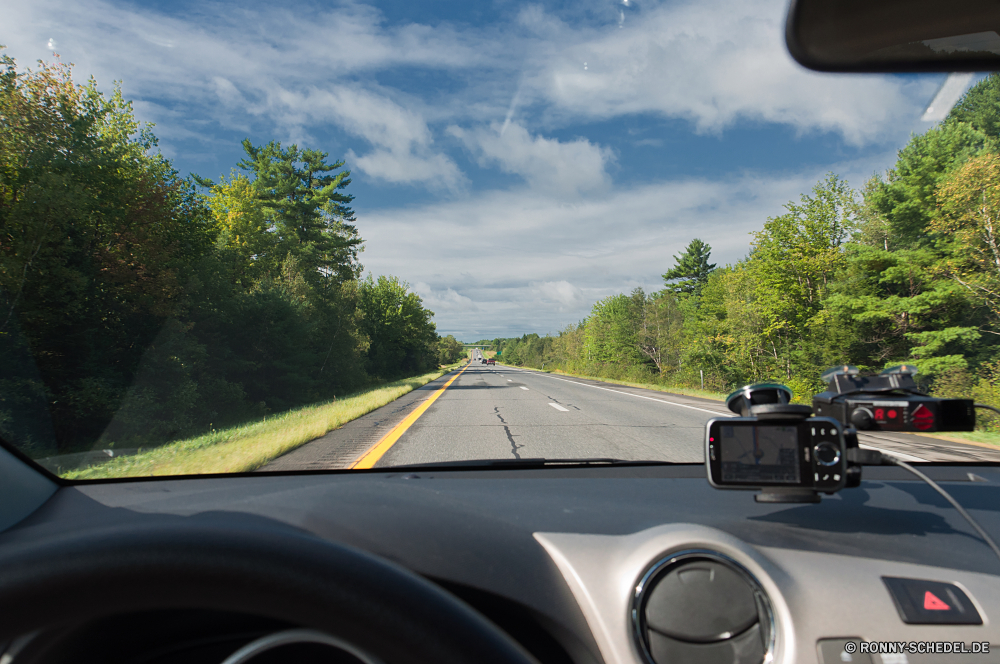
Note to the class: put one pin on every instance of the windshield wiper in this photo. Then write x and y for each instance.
(540, 462)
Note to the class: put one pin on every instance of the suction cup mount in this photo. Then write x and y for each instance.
(766, 401)
(770, 401)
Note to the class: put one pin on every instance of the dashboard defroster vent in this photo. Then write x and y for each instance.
(701, 606)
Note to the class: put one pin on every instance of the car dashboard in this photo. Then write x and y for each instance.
(595, 564)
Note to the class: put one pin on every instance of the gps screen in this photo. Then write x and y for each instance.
(759, 454)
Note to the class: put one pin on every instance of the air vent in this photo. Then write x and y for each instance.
(701, 606)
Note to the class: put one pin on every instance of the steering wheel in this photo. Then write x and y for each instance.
(262, 568)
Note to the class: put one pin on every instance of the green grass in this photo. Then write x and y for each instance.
(990, 438)
(704, 394)
(248, 447)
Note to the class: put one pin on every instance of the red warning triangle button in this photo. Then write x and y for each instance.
(923, 602)
(932, 603)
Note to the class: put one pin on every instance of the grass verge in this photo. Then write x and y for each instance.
(703, 394)
(248, 447)
(981, 438)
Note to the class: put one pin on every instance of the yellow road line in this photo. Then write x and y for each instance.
(376, 451)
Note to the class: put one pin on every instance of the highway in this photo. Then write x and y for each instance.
(501, 412)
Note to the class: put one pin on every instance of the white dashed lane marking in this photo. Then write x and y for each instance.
(630, 394)
(558, 407)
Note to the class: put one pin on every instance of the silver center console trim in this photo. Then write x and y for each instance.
(813, 595)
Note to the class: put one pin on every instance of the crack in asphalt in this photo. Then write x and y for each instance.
(514, 447)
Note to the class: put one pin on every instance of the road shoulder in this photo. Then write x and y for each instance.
(339, 448)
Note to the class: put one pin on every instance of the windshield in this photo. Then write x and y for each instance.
(242, 237)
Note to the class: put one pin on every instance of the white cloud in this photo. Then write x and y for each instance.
(270, 43)
(447, 300)
(404, 152)
(712, 63)
(262, 63)
(561, 292)
(576, 166)
(372, 116)
(531, 262)
(227, 92)
(435, 170)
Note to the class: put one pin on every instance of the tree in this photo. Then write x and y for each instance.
(908, 273)
(969, 225)
(796, 255)
(904, 200)
(690, 274)
(310, 218)
(244, 230)
(765, 318)
(401, 336)
(660, 331)
(980, 107)
(97, 235)
(449, 350)
(889, 307)
(135, 310)
(611, 336)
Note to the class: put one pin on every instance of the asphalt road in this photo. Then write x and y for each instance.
(501, 412)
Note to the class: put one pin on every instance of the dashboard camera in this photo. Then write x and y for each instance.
(776, 446)
(750, 453)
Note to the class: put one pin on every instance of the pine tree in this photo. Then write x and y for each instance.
(301, 197)
(690, 274)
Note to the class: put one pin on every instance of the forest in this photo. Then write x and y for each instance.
(138, 306)
(905, 269)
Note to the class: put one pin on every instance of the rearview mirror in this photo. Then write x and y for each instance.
(894, 35)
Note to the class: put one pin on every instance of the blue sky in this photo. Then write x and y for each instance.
(514, 162)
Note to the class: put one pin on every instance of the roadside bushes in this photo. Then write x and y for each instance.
(138, 306)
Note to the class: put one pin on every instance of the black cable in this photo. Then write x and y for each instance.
(982, 405)
(887, 456)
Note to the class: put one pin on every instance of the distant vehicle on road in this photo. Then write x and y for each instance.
(491, 361)
(484, 360)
